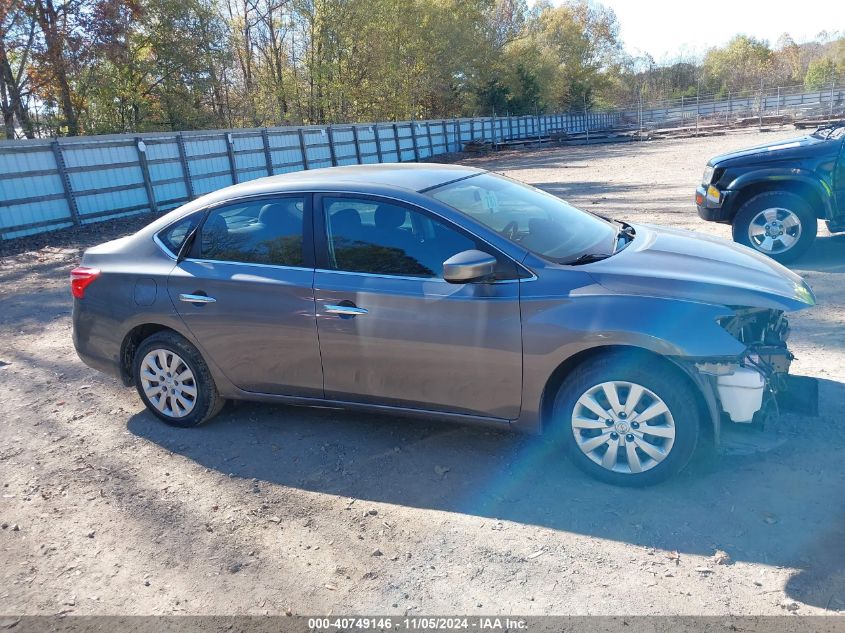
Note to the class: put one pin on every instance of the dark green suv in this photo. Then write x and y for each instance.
(773, 194)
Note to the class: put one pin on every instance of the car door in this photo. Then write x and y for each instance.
(245, 291)
(393, 332)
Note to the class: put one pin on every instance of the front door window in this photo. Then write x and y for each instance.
(367, 236)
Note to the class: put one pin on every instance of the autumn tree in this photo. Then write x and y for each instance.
(743, 63)
(829, 68)
(17, 34)
(97, 66)
(62, 51)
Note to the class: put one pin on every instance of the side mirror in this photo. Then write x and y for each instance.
(468, 266)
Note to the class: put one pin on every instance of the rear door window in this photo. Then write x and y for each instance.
(262, 231)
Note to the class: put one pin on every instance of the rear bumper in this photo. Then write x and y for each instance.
(105, 365)
(713, 210)
(96, 349)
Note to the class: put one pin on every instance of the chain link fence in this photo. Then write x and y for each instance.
(791, 104)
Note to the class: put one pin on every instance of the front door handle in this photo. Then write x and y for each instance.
(196, 298)
(345, 310)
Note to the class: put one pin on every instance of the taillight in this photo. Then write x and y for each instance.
(81, 278)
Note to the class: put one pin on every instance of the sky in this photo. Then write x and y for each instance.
(664, 28)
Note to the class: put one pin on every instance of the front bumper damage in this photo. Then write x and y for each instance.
(756, 387)
(741, 393)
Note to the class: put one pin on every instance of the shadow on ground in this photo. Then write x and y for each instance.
(781, 509)
(826, 255)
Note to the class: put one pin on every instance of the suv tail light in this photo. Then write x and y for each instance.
(81, 278)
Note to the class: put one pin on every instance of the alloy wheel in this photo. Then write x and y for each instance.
(774, 230)
(623, 427)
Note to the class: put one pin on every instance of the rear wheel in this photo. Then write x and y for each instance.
(776, 223)
(174, 382)
(627, 422)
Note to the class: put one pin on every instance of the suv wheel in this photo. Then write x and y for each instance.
(174, 382)
(776, 223)
(626, 422)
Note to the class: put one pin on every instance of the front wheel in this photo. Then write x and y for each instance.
(627, 422)
(776, 223)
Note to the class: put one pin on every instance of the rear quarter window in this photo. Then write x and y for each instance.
(175, 235)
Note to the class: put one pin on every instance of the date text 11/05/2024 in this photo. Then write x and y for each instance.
(417, 623)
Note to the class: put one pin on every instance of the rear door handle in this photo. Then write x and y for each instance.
(197, 298)
(345, 310)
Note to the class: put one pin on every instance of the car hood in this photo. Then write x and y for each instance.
(697, 267)
(787, 149)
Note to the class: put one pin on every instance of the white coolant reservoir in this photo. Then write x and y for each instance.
(741, 393)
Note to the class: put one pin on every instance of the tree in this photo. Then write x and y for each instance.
(787, 61)
(95, 66)
(17, 33)
(820, 74)
(570, 49)
(62, 54)
(828, 68)
(494, 97)
(742, 64)
(156, 64)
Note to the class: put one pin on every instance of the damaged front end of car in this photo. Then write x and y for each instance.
(757, 386)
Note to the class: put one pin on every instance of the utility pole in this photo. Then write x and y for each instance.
(832, 84)
(640, 104)
(586, 119)
(728, 109)
(697, 103)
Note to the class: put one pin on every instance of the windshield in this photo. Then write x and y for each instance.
(534, 219)
(833, 130)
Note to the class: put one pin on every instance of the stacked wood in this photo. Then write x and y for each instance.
(478, 147)
(814, 123)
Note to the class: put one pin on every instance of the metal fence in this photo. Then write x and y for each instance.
(786, 100)
(51, 184)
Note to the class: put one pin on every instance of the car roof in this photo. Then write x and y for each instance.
(412, 176)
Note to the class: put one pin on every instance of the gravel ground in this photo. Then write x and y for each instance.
(275, 509)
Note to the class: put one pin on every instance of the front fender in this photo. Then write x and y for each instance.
(560, 327)
(784, 175)
(556, 330)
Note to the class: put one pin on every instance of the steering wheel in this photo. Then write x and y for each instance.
(511, 230)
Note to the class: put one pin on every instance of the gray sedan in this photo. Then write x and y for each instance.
(445, 292)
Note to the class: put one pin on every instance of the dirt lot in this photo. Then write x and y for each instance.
(268, 509)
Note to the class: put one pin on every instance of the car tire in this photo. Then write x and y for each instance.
(780, 219)
(174, 381)
(589, 438)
